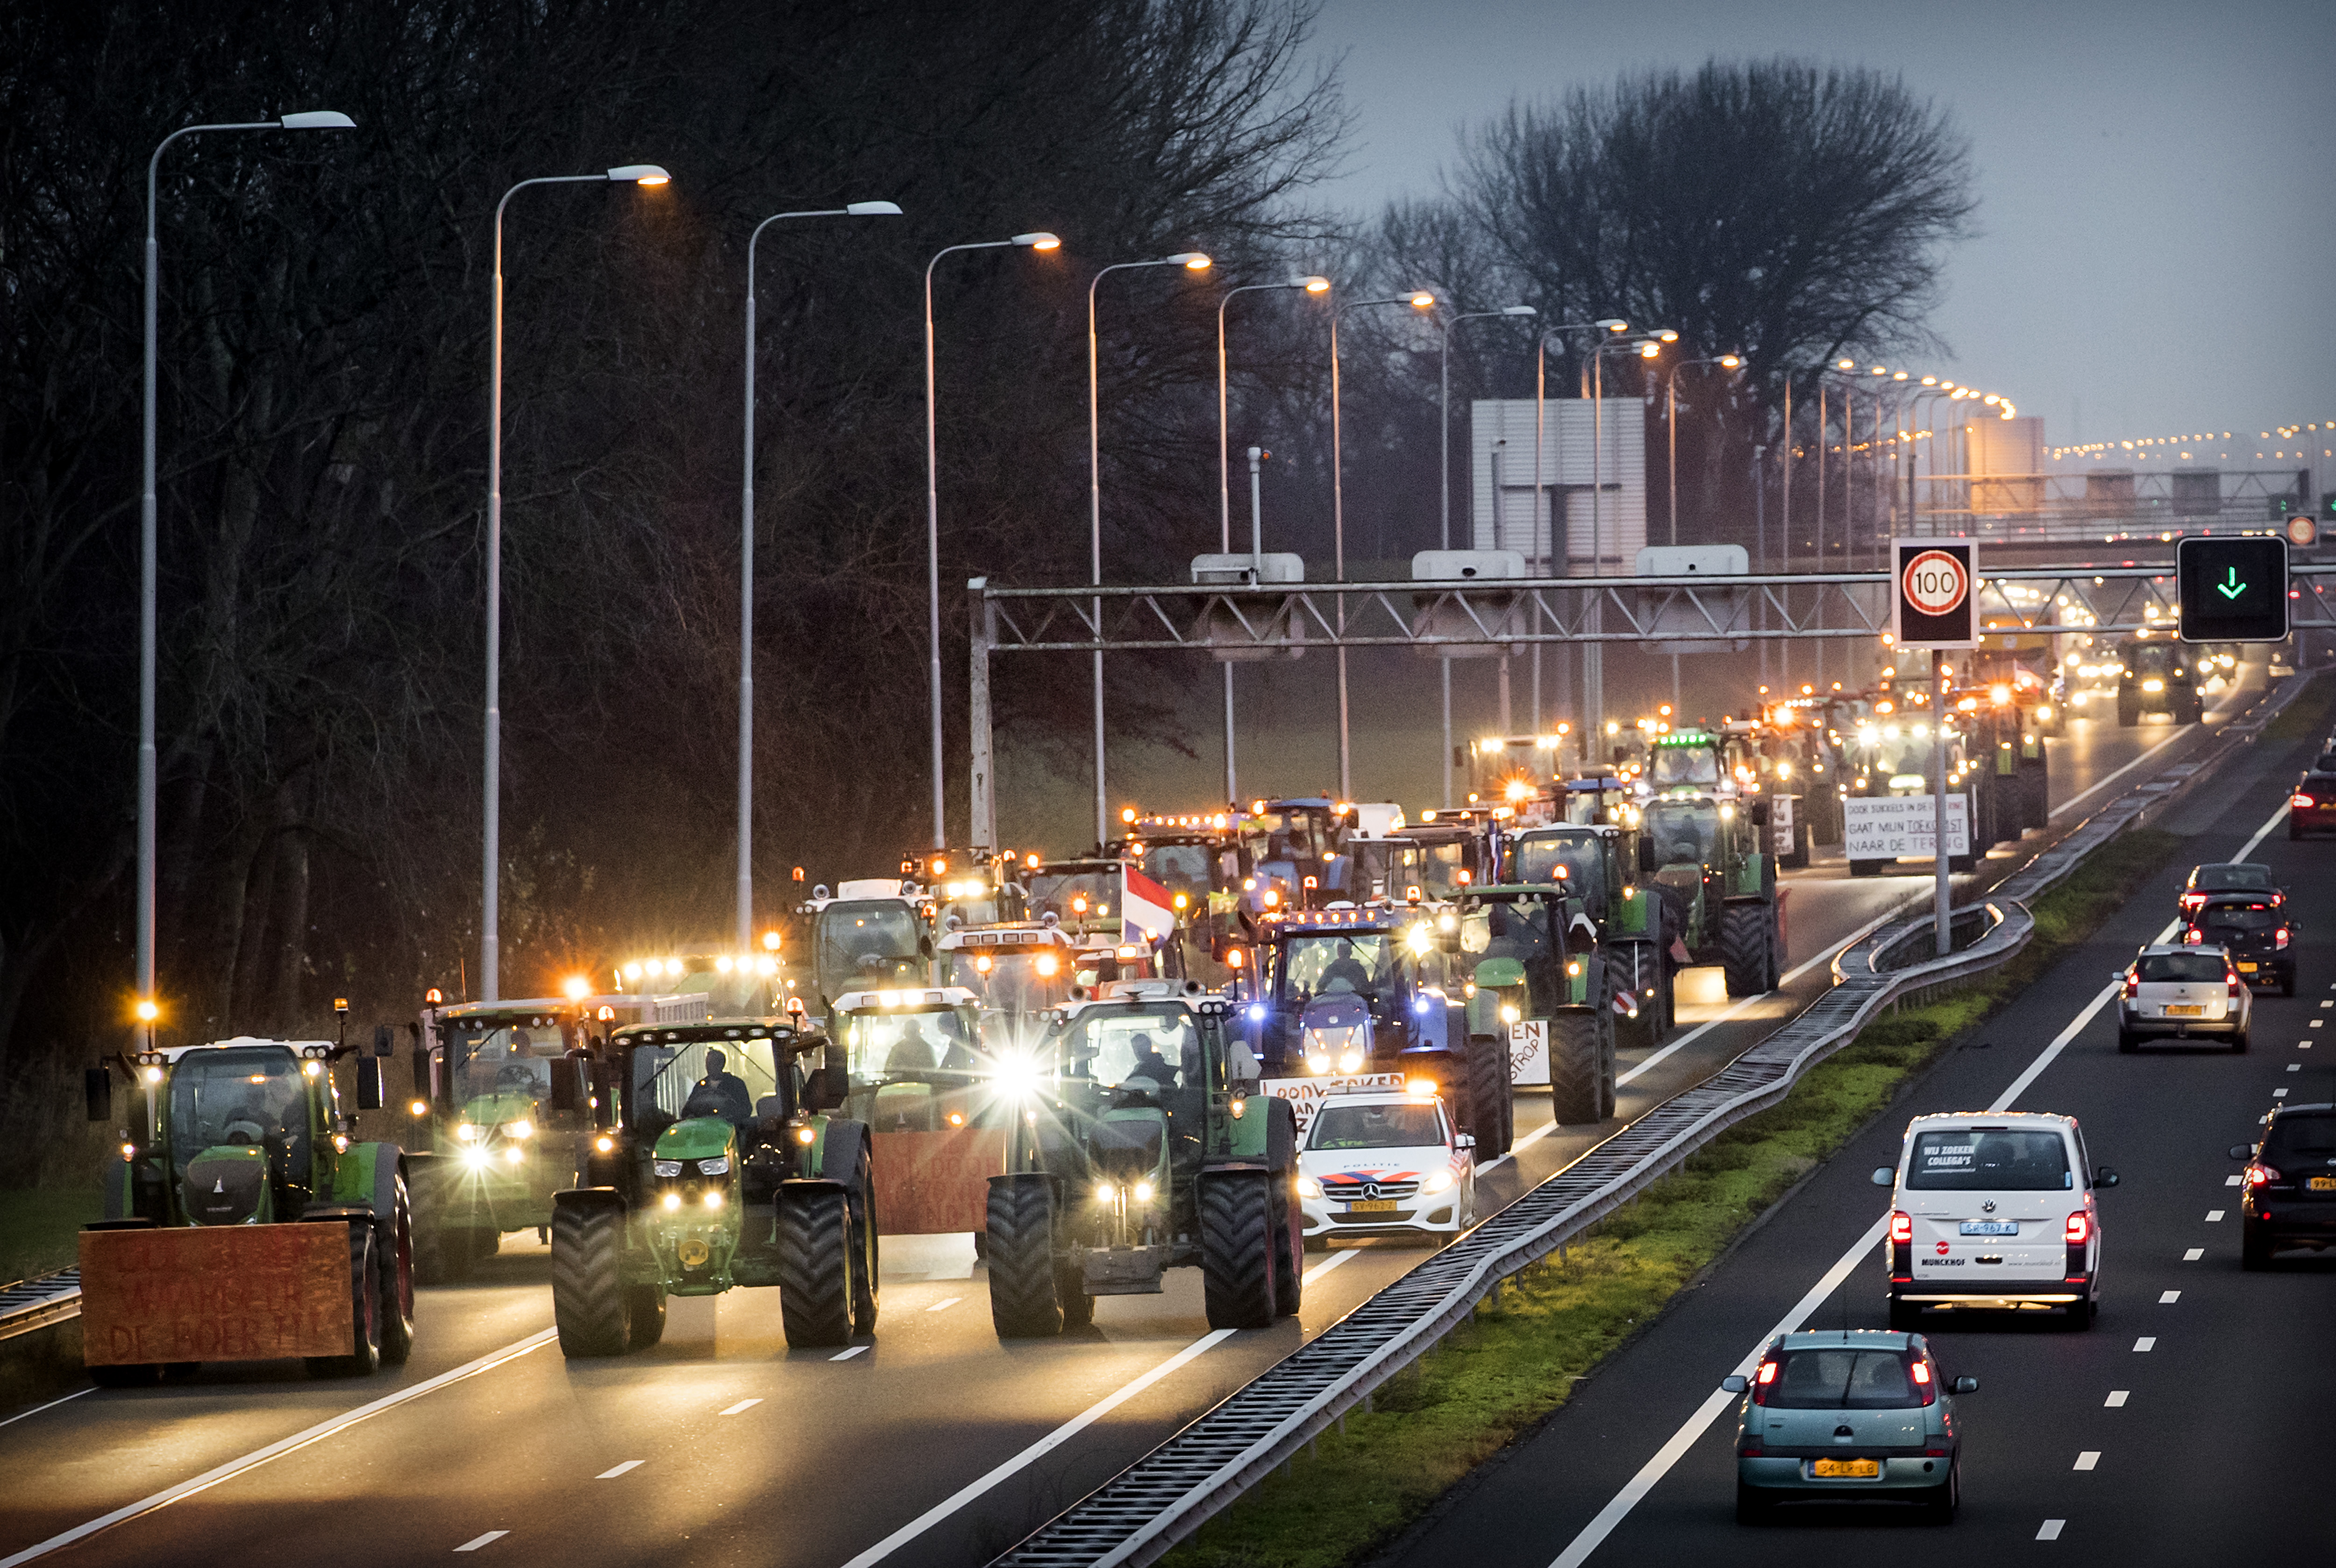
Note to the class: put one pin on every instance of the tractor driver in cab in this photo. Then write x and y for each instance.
(912, 1053)
(720, 1093)
(1150, 1063)
(1345, 972)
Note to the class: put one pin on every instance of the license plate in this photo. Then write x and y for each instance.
(2186, 1009)
(1824, 1469)
(1372, 1206)
(2246, 968)
(1990, 1227)
(2322, 1185)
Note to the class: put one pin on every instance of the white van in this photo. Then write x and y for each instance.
(1994, 1211)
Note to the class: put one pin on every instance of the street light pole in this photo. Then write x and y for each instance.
(1039, 240)
(1311, 283)
(490, 891)
(1422, 300)
(1670, 430)
(746, 582)
(1443, 445)
(1559, 526)
(1593, 661)
(148, 541)
(1193, 260)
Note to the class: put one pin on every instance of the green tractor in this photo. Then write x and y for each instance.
(716, 1165)
(1599, 867)
(1540, 981)
(241, 1221)
(1145, 1142)
(1709, 860)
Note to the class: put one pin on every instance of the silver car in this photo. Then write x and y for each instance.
(1849, 1416)
(2184, 992)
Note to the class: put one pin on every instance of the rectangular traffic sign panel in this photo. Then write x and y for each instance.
(2233, 590)
(1933, 584)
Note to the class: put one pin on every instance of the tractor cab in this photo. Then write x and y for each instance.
(917, 1057)
(968, 887)
(249, 1132)
(1540, 987)
(1693, 760)
(871, 932)
(1297, 851)
(1016, 973)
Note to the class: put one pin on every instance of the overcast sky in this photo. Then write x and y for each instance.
(2156, 182)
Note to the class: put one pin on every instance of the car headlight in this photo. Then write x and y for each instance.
(717, 1166)
(520, 1129)
(665, 1167)
(1436, 1183)
(467, 1132)
(1308, 1187)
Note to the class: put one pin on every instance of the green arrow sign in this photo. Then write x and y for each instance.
(2230, 587)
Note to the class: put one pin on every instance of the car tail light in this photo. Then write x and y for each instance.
(2257, 1174)
(1901, 1228)
(1762, 1379)
(2230, 978)
(2278, 939)
(2193, 937)
(1922, 1383)
(2193, 901)
(2080, 1229)
(2302, 800)
(2132, 987)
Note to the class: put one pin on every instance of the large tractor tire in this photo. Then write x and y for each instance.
(1488, 1095)
(393, 1257)
(865, 1261)
(589, 1304)
(815, 1268)
(1747, 943)
(364, 1358)
(1239, 1250)
(1579, 1052)
(1024, 1299)
(1071, 1291)
(1290, 1244)
(645, 1314)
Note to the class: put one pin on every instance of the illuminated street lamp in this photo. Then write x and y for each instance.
(747, 575)
(1191, 262)
(645, 175)
(148, 547)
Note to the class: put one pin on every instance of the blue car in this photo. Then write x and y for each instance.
(1848, 1416)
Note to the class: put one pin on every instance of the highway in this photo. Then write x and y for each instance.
(2190, 1413)
(708, 1441)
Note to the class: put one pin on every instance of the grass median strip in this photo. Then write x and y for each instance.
(1517, 1361)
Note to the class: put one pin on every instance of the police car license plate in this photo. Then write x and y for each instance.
(1372, 1206)
(1990, 1227)
(2186, 1009)
(1825, 1469)
(2322, 1185)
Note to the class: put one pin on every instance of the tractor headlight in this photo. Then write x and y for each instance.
(605, 1143)
(467, 1132)
(1142, 1193)
(520, 1129)
(515, 1153)
(718, 1166)
(665, 1167)
(1437, 1181)
(1106, 1190)
(418, 1108)
(1308, 1187)
(713, 1197)
(1318, 1063)
(1509, 1014)
(1352, 1062)
(672, 1200)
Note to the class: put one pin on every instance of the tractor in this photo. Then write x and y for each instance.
(1600, 868)
(1708, 860)
(1344, 992)
(716, 1164)
(869, 932)
(1140, 1138)
(243, 1222)
(1539, 985)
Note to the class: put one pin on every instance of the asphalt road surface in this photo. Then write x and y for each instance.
(2189, 1425)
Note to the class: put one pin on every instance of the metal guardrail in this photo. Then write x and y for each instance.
(31, 1304)
(1136, 1517)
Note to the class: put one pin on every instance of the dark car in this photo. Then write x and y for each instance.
(2288, 1194)
(2311, 809)
(2156, 677)
(2227, 877)
(2254, 930)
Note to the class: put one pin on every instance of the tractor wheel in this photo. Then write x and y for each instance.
(1071, 1291)
(364, 1358)
(815, 1268)
(864, 1258)
(1488, 1095)
(1606, 1069)
(1575, 1060)
(395, 1257)
(1290, 1249)
(1024, 1301)
(1238, 1250)
(587, 1281)
(644, 1316)
(1745, 944)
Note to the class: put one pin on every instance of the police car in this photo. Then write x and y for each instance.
(1385, 1161)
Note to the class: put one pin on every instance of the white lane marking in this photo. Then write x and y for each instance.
(2118, 1396)
(2072, 803)
(1066, 1431)
(2295, 1066)
(2230, 1181)
(847, 1355)
(1595, 1534)
(474, 1545)
(2194, 1254)
(2089, 1459)
(2304, 1045)
(611, 1474)
(2279, 1094)
(2051, 1530)
(2213, 1216)
(26, 1414)
(741, 1405)
(2145, 1343)
(2167, 1298)
(2328, 1004)
(258, 1456)
(944, 1303)
(2314, 1024)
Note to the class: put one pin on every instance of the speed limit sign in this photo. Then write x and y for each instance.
(1933, 582)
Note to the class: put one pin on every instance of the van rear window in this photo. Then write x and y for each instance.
(1990, 1162)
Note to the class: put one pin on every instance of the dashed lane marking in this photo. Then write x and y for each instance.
(2213, 1216)
(491, 1536)
(2117, 1397)
(2194, 1253)
(613, 1471)
(2051, 1530)
(2145, 1343)
(2169, 1298)
(2279, 1094)
(2291, 1066)
(50, 1406)
(2089, 1459)
(847, 1355)
(741, 1405)
(946, 1302)
(2230, 1181)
